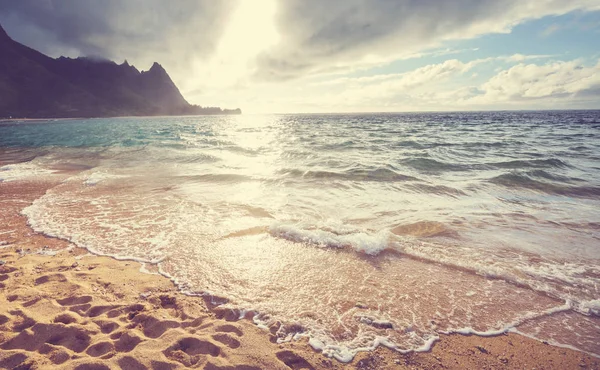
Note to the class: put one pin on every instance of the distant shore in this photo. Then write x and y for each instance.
(5, 120)
(36, 120)
(72, 309)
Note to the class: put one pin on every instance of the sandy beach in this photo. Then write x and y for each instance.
(62, 307)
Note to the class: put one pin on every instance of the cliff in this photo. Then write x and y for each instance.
(35, 85)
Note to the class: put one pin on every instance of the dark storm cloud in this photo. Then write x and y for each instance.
(172, 32)
(320, 35)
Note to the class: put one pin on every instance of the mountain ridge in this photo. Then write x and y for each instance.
(34, 85)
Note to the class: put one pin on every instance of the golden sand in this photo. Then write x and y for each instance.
(73, 310)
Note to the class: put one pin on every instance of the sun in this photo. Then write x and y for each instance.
(251, 29)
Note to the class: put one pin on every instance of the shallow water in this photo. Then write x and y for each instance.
(355, 230)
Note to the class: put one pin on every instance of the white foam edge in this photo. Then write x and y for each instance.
(553, 343)
(96, 177)
(144, 269)
(491, 272)
(20, 171)
(371, 244)
(513, 328)
(35, 227)
(568, 306)
(345, 355)
(84, 255)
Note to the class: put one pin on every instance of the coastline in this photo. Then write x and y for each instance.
(75, 310)
(52, 119)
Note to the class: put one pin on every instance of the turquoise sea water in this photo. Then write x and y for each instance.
(354, 230)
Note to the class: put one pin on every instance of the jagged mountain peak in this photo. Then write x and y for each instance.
(35, 85)
(157, 68)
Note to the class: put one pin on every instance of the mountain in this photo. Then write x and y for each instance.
(34, 85)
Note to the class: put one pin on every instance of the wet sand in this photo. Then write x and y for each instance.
(73, 310)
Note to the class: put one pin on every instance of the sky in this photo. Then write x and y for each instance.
(299, 56)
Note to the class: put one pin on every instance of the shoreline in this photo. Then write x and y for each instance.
(38, 120)
(75, 298)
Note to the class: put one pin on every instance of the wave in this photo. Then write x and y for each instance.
(432, 165)
(534, 163)
(436, 189)
(426, 229)
(371, 244)
(379, 174)
(21, 171)
(217, 177)
(553, 177)
(518, 180)
(409, 144)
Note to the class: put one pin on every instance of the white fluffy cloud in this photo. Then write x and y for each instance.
(320, 36)
(525, 81)
(449, 86)
(387, 89)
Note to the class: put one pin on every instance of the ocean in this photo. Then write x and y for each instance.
(354, 230)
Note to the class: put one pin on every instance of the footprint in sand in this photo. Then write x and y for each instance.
(190, 350)
(31, 302)
(211, 366)
(96, 311)
(227, 340)
(151, 326)
(229, 329)
(161, 365)
(4, 269)
(65, 318)
(74, 300)
(12, 361)
(4, 274)
(131, 310)
(22, 321)
(131, 363)
(92, 366)
(80, 309)
(60, 278)
(4, 319)
(106, 326)
(59, 356)
(127, 342)
(293, 361)
(75, 339)
(100, 349)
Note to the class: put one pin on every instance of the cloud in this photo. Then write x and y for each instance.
(531, 81)
(320, 36)
(142, 31)
(451, 85)
(521, 57)
(431, 72)
(393, 88)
